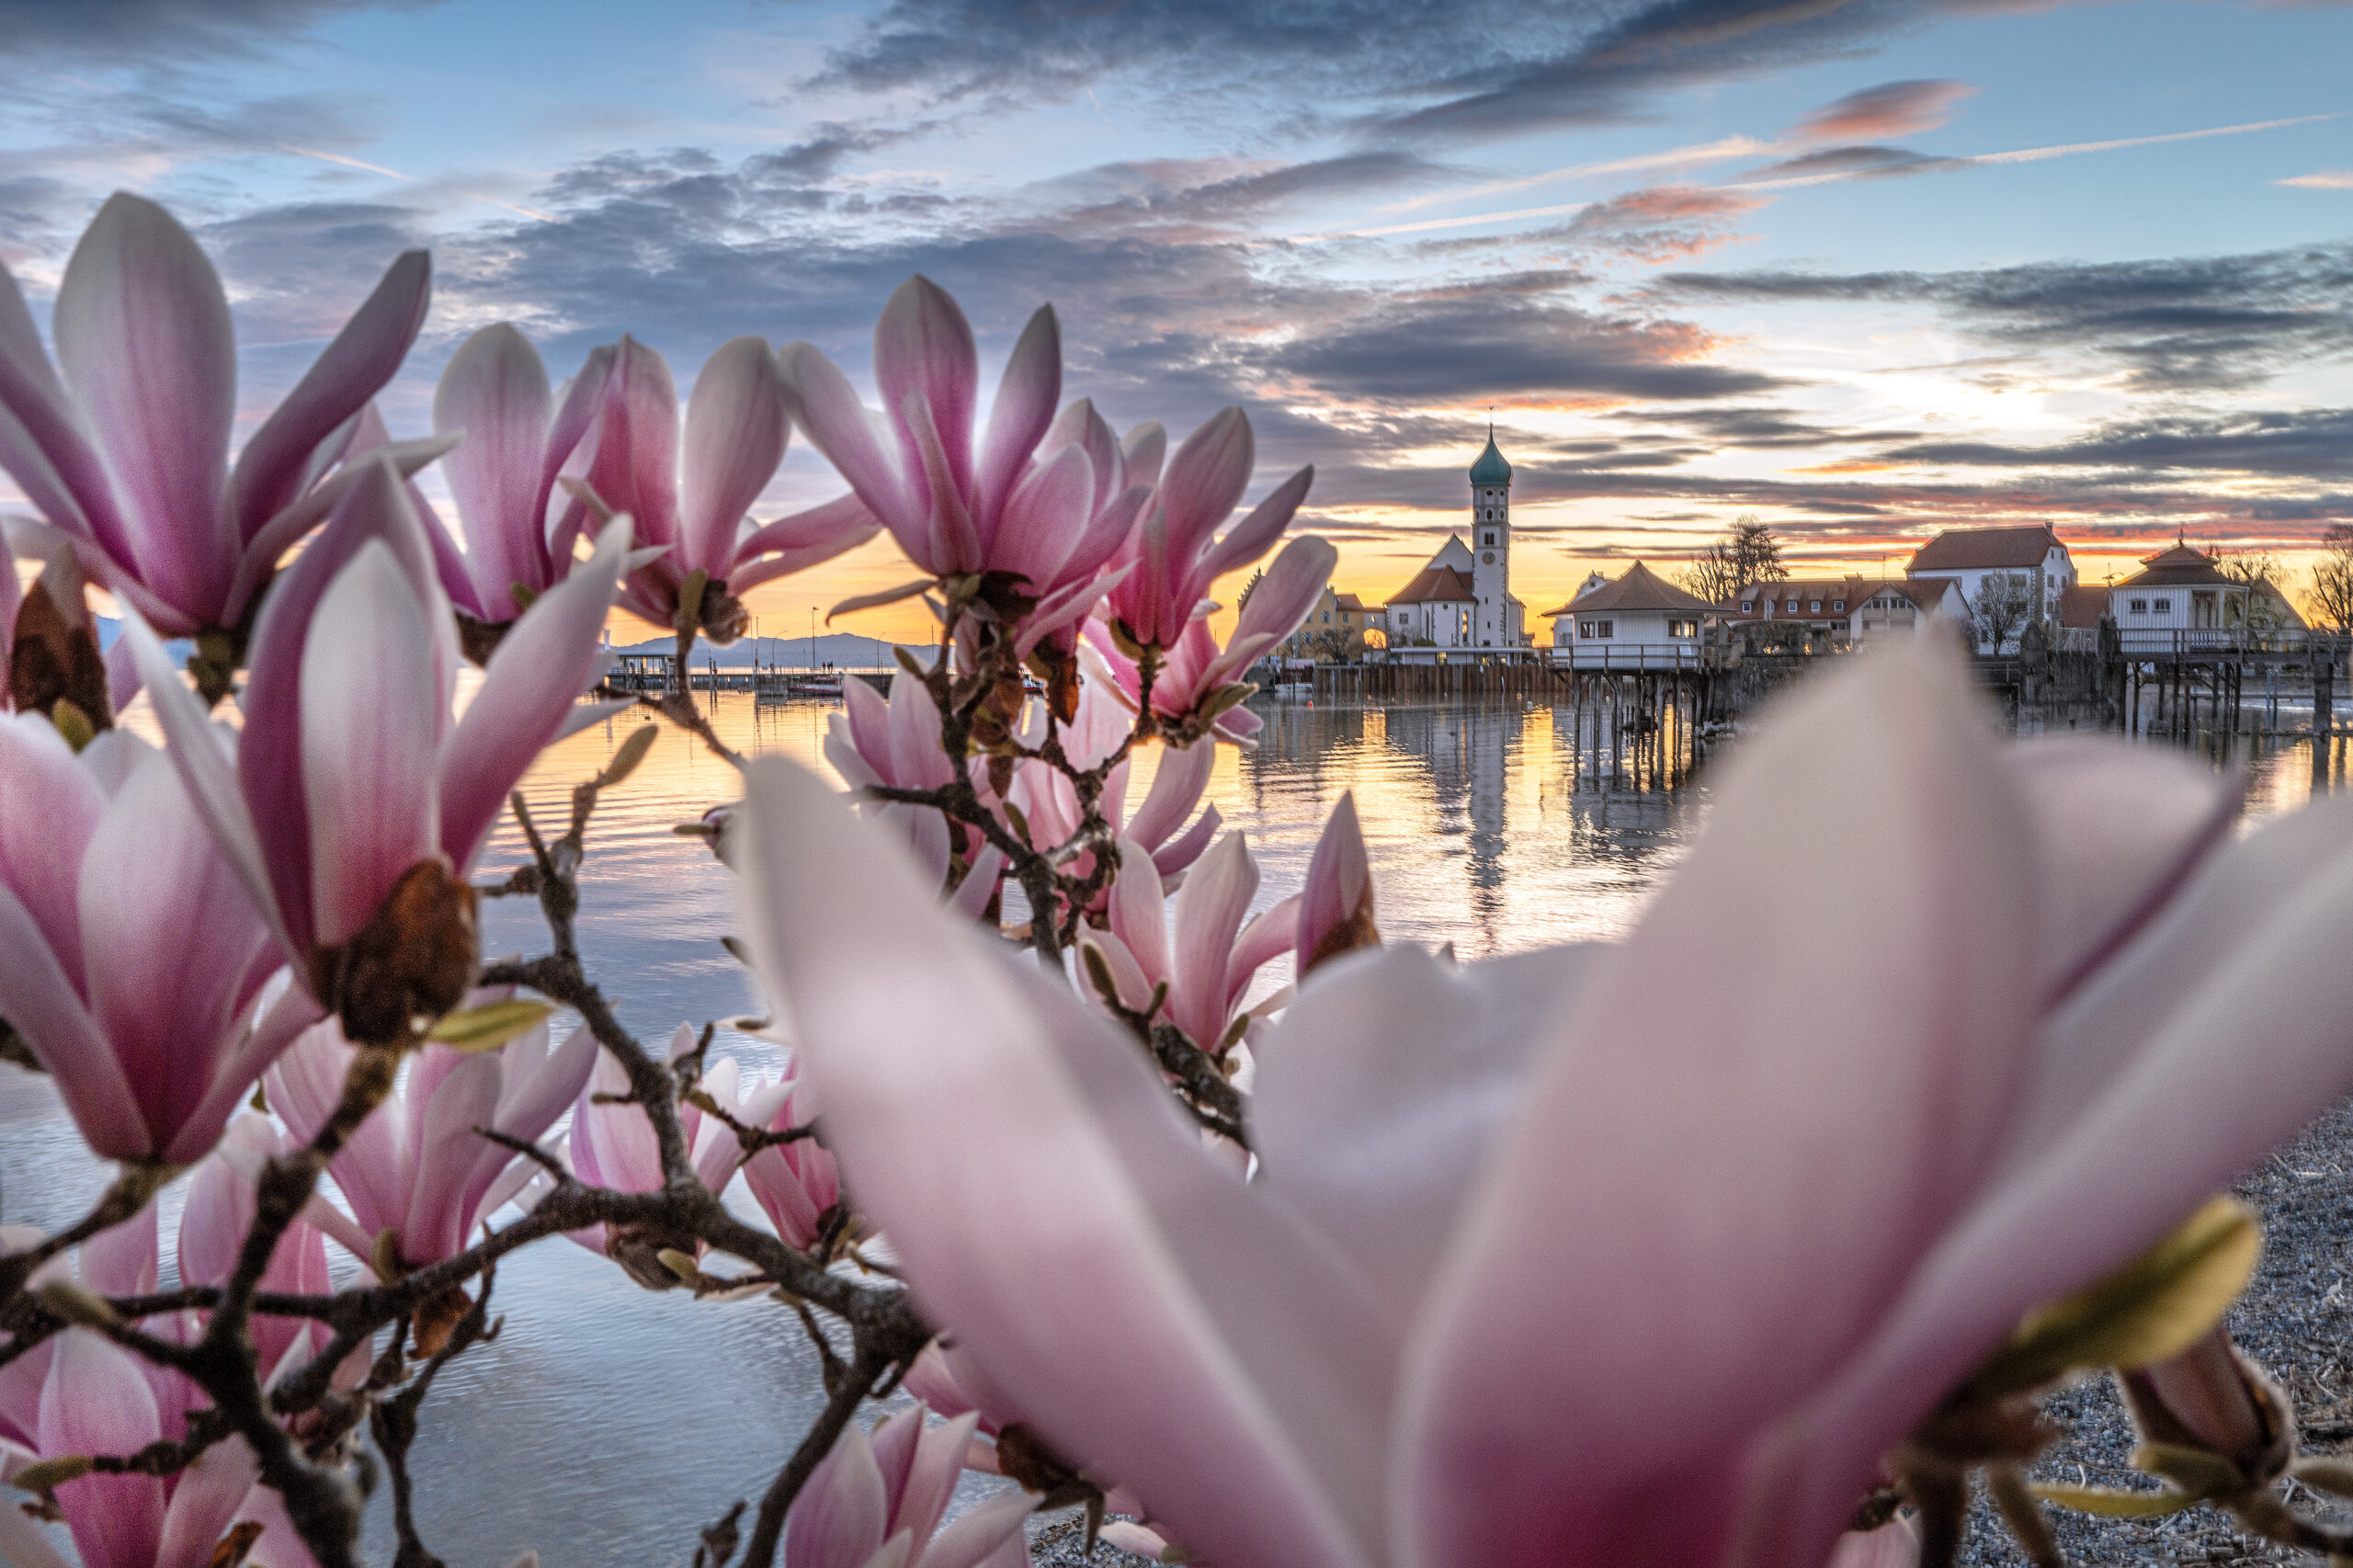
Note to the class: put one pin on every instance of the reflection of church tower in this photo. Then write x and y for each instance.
(1500, 615)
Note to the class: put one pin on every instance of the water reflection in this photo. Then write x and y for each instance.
(611, 1417)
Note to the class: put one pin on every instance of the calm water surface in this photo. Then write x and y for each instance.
(607, 1423)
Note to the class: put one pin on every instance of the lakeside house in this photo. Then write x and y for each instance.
(1849, 609)
(1639, 616)
(2179, 589)
(1462, 598)
(1334, 629)
(2032, 558)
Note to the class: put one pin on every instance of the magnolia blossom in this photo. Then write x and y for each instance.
(1336, 913)
(1176, 553)
(1049, 803)
(1046, 502)
(354, 805)
(1203, 952)
(612, 1145)
(896, 743)
(736, 435)
(222, 1198)
(877, 1502)
(124, 447)
(132, 960)
(795, 1183)
(1196, 684)
(502, 474)
(1557, 1259)
(416, 1170)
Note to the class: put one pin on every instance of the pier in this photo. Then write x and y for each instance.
(776, 683)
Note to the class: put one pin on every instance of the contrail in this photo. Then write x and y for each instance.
(412, 179)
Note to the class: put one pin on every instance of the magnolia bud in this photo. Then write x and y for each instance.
(2212, 1398)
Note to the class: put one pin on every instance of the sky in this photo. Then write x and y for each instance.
(1866, 269)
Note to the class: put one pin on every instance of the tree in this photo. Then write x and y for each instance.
(1748, 554)
(2003, 605)
(2330, 598)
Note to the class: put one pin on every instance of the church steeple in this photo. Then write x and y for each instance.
(1498, 613)
(1491, 469)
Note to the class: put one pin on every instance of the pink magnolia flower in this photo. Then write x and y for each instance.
(896, 742)
(96, 1399)
(354, 804)
(1204, 954)
(130, 960)
(126, 450)
(793, 1183)
(417, 1169)
(1558, 1258)
(1049, 803)
(1197, 683)
(736, 435)
(612, 1146)
(1176, 553)
(501, 475)
(220, 1210)
(1335, 912)
(876, 1503)
(1046, 501)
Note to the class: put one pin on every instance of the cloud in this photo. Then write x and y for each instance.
(2328, 180)
(1782, 178)
(2305, 444)
(1661, 224)
(2190, 323)
(1886, 112)
(114, 31)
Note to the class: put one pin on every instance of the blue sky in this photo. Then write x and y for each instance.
(1865, 268)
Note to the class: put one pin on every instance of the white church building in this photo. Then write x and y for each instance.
(1462, 598)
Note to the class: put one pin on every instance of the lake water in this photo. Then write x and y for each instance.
(607, 1423)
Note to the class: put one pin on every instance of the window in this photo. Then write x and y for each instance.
(1838, 605)
(2164, 607)
(1817, 607)
(1487, 538)
(2139, 607)
(1594, 628)
(1793, 607)
(1327, 617)
(1683, 629)
(1749, 607)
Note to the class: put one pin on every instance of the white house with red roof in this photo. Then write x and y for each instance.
(1638, 621)
(2032, 556)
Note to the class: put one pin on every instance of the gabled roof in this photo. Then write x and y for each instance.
(1435, 584)
(1975, 549)
(1640, 588)
(1806, 590)
(2182, 566)
(2081, 605)
(1347, 601)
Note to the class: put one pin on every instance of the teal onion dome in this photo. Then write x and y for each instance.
(1491, 469)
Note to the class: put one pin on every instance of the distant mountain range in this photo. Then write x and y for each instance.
(843, 650)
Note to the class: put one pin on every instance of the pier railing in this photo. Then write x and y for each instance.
(1631, 658)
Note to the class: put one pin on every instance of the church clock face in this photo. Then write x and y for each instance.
(1488, 558)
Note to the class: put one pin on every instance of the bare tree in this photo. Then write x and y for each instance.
(2265, 576)
(1748, 554)
(2003, 605)
(2330, 598)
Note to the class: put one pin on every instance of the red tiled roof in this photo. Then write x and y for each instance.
(2081, 605)
(2182, 566)
(1638, 589)
(1435, 585)
(1347, 601)
(1806, 590)
(1974, 550)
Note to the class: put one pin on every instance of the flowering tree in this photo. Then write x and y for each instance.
(1385, 1268)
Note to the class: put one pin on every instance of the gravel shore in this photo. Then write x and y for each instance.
(2297, 1319)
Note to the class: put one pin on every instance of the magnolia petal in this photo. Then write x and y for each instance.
(1726, 1212)
(827, 408)
(364, 356)
(923, 347)
(1271, 933)
(1044, 518)
(371, 732)
(204, 1501)
(39, 1001)
(43, 445)
(972, 1535)
(735, 434)
(1024, 409)
(1188, 847)
(145, 340)
(634, 468)
(1255, 534)
(1339, 881)
(495, 392)
(972, 896)
(49, 809)
(1381, 1090)
(122, 1259)
(1108, 1264)
(1139, 908)
(842, 1515)
(1208, 916)
(1205, 479)
(97, 1400)
(234, 1069)
(527, 691)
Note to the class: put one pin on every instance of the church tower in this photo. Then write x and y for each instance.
(1498, 614)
